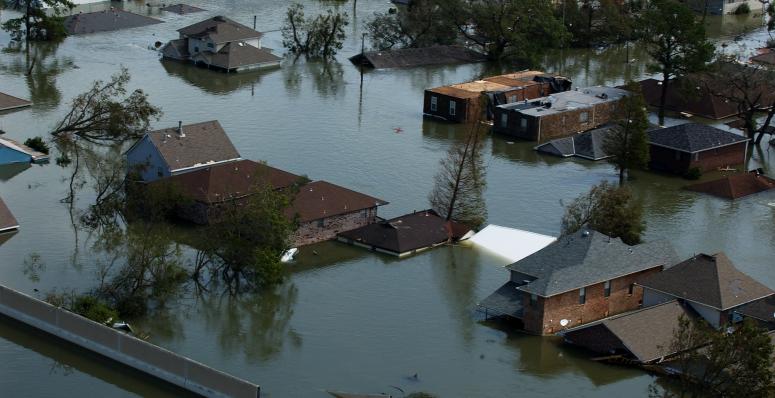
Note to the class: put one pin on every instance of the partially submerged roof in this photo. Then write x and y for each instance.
(647, 334)
(713, 281)
(567, 101)
(587, 145)
(8, 102)
(199, 145)
(587, 257)
(7, 220)
(105, 21)
(735, 186)
(763, 310)
(507, 300)
(766, 56)
(500, 83)
(510, 243)
(692, 99)
(220, 29)
(410, 57)
(239, 54)
(182, 9)
(322, 199)
(228, 181)
(36, 156)
(404, 234)
(693, 137)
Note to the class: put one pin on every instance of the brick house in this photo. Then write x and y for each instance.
(710, 284)
(323, 210)
(580, 278)
(558, 115)
(462, 102)
(679, 148)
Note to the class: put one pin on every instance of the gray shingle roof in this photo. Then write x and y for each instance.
(409, 57)
(220, 29)
(693, 137)
(588, 145)
(710, 280)
(507, 300)
(588, 257)
(181, 9)
(105, 21)
(201, 144)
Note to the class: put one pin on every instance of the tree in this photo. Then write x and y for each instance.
(319, 37)
(104, 114)
(35, 23)
(518, 30)
(627, 142)
(458, 190)
(609, 210)
(675, 40)
(423, 24)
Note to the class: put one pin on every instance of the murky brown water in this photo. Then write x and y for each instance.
(346, 319)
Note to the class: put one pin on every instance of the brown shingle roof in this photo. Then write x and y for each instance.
(766, 56)
(10, 102)
(7, 220)
(321, 199)
(709, 280)
(454, 92)
(230, 180)
(409, 57)
(239, 54)
(220, 29)
(201, 143)
(735, 186)
(701, 104)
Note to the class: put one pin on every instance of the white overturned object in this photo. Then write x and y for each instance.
(289, 255)
(510, 243)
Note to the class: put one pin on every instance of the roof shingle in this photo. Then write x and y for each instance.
(322, 199)
(693, 137)
(7, 220)
(220, 29)
(201, 144)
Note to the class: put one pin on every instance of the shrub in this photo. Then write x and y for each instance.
(742, 9)
(37, 144)
(94, 309)
(693, 173)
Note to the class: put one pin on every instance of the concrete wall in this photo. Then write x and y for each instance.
(313, 232)
(138, 354)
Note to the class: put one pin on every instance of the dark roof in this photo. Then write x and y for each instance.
(507, 300)
(239, 54)
(693, 137)
(10, 102)
(647, 333)
(588, 145)
(201, 143)
(105, 21)
(321, 199)
(177, 49)
(408, 232)
(220, 29)
(587, 257)
(228, 181)
(766, 56)
(701, 103)
(7, 220)
(763, 310)
(182, 9)
(735, 186)
(410, 57)
(709, 280)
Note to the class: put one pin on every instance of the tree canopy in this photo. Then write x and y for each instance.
(627, 142)
(35, 23)
(318, 37)
(607, 209)
(423, 24)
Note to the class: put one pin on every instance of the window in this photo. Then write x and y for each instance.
(210, 45)
(321, 223)
(533, 300)
(631, 289)
(365, 213)
(584, 117)
(523, 124)
(452, 108)
(607, 288)
(582, 295)
(513, 98)
(504, 119)
(434, 103)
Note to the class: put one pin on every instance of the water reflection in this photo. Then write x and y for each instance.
(457, 271)
(215, 82)
(40, 67)
(11, 170)
(327, 78)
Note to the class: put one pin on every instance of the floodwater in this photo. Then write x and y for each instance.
(346, 319)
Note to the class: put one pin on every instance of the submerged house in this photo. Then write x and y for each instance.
(9, 102)
(580, 278)
(462, 102)
(677, 149)
(710, 284)
(587, 145)
(412, 57)
(735, 186)
(408, 234)
(221, 43)
(8, 222)
(171, 151)
(13, 152)
(558, 115)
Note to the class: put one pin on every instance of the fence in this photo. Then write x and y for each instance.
(145, 357)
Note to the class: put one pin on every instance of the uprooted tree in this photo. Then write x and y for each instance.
(318, 37)
(609, 210)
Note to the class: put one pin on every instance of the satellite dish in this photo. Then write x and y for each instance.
(564, 322)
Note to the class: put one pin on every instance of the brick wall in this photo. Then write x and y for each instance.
(313, 232)
(544, 318)
(731, 155)
(463, 109)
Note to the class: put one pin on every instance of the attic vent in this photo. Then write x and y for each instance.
(219, 18)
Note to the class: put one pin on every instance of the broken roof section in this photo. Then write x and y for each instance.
(182, 9)
(510, 243)
(735, 186)
(322, 199)
(8, 222)
(194, 145)
(711, 280)
(220, 30)
(587, 145)
(500, 83)
(105, 21)
(8, 102)
(411, 57)
(406, 234)
(645, 335)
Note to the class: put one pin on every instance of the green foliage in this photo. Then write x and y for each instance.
(319, 37)
(37, 144)
(421, 395)
(628, 142)
(694, 173)
(607, 209)
(94, 309)
(742, 9)
(36, 23)
(424, 24)
(597, 22)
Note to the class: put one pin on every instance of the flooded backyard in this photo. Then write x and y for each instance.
(345, 319)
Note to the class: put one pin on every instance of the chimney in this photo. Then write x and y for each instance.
(180, 129)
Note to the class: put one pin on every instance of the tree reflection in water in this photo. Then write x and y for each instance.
(40, 65)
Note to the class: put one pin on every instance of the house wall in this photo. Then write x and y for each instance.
(545, 318)
(720, 157)
(463, 108)
(509, 122)
(145, 159)
(668, 160)
(653, 297)
(711, 315)
(8, 156)
(196, 46)
(312, 231)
